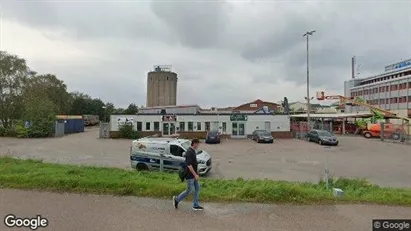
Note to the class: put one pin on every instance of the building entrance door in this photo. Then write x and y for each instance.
(169, 129)
(238, 130)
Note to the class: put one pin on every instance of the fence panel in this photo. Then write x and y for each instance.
(104, 130)
(299, 129)
(398, 133)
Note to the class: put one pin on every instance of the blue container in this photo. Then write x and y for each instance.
(74, 126)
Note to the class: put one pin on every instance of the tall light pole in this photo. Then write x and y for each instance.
(307, 35)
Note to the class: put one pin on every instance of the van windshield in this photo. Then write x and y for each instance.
(187, 144)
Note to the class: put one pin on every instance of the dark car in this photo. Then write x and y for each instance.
(262, 136)
(213, 137)
(322, 137)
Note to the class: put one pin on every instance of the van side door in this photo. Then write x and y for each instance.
(177, 158)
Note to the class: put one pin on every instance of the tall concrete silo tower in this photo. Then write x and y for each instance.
(161, 87)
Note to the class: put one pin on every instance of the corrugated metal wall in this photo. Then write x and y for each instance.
(72, 123)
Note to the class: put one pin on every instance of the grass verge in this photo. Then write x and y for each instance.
(34, 174)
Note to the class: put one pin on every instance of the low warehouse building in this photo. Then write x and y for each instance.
(191, 121)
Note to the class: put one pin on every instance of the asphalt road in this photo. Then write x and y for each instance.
(101, 212)
(383, 163)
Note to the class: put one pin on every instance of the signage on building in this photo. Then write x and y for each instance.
(253, 105)
(169, 118)
(238, 117)
(125, 120)
(406, 63)
(266, 110)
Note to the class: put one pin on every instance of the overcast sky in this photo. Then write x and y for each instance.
(226, 53)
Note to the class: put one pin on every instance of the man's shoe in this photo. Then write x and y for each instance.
(175, 202)
(198, 208)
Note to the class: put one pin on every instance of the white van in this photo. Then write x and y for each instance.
(145, 154)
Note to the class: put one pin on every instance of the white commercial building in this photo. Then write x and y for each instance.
(190, 121)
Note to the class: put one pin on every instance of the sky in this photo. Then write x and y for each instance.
(226, 53)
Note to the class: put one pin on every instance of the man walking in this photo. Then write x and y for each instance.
(191, 177)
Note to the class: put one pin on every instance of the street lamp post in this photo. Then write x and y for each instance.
(307, 35)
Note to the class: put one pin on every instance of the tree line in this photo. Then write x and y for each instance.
(38, 98)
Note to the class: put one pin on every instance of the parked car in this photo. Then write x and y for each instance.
(213, 137)
(146, 154)
(262, 136)
(322, 137)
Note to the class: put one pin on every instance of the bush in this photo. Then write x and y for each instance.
(127, 132)
(21, 131)
(3, 131)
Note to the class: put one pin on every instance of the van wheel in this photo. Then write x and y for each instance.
(142, 167)
(367, 135)
(396, 136)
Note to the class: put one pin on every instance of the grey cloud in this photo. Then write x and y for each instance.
(88, 19)
(343, 30)
(280, 41)
(197, 24)
(218, 46)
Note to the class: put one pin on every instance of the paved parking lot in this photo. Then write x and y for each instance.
(292, 160)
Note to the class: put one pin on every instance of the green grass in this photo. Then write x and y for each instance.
(34, 174)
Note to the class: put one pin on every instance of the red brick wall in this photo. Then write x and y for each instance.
(282, 135)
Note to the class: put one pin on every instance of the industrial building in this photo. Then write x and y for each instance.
(389, 90)
(192, 121)
(161, 87)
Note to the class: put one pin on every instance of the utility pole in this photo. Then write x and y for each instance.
(307, 35)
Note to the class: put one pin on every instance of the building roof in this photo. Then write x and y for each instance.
(313, 105)
(258, 102)
(335, 115)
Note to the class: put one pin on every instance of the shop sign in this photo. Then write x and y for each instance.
(169, 118)
(125, 121)
(238, 117)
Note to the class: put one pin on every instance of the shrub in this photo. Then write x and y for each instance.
(127, 132)
(3, 131)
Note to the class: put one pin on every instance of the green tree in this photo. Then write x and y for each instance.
(41, 112)
(13, 73)
(131, 109)
(80, 104)
(109, 110)
(119, 111)
(48, 87)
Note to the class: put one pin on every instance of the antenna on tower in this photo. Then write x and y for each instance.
(358, 70)
(353, 67)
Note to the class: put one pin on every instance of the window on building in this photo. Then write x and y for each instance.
(387, 88)
(182, 126)
(190, 126)
(224, 127)
(198, 126)
(409, 98)
(409, 85)
(148, 126)
(176, 150)
(382, 101)
(139, 126)
(402, 99)
(394, 87)
(394, 100)
(207, 126)
(156, 126)
(387, 101)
